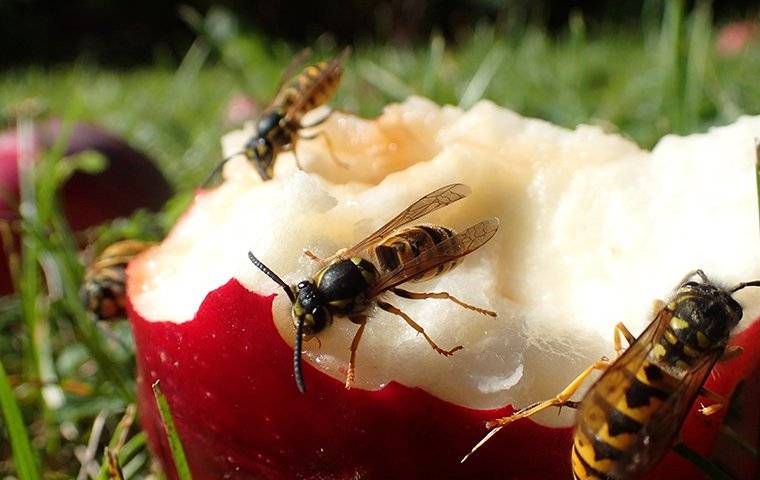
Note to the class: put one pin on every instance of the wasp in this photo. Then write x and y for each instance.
(351, 280)
(104, 289)
(631, 416)
(279, 126)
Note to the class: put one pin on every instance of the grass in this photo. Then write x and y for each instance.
(69, 380)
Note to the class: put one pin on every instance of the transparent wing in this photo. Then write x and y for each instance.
(613, 383)
(333, 68)
(659, 433)
(427, 204)
(290, 71)
(452, 248)
(659, 430)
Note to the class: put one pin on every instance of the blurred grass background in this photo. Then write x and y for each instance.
(644, 69)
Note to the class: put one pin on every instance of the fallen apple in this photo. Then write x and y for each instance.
(593, 229)
(130, 181)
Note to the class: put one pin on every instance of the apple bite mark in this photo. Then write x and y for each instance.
(348, 282)
(592, 228)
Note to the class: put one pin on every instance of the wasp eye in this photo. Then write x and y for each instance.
(322, 318)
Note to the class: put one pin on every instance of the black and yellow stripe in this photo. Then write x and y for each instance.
(617, 412)
(621, 406)
(320, 88)
(409, 243)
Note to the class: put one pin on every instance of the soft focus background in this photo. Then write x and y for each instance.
(169, 79)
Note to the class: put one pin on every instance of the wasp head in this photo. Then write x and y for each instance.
(708, 309)
(309, 309)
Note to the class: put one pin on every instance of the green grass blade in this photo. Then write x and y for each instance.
(479, 82)
(385, 81)
(178, 453)
(23, 455)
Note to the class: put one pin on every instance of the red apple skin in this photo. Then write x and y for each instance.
(228, 378)
(130, 181)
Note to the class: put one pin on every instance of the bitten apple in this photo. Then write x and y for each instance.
(593, 229)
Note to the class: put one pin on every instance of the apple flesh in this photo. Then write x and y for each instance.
(593, 230)
(130, 181)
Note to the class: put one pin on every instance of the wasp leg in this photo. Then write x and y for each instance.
(561, 400)
(396, 311)
(311, 256)
(444, 295)
(362, 321)
(330, 147)
(292, 148)
(732, 351)
(621, 329)
(719, 400)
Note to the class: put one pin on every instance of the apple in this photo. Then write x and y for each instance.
(130, 181)
(593, 229)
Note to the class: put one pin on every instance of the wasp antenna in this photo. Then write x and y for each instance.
(742, 285)
(269, 273)
(218, 168)
(297, 373)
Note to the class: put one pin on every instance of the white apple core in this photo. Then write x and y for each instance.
(593, 230)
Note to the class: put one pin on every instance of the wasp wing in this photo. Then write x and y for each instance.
(290, 71)
(335, 67)
(611, 387)
(452, 248)
(661, 431)
(427, 204)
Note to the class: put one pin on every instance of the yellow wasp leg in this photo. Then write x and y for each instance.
(362, 321)
(561, 400)
(621, 329)
(311, 256)
(731, 352)
(330, 147)
(444, 295)
(322, 134)
(396, 311)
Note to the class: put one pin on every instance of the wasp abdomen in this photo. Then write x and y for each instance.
(605, 436)
(408, 244)
(313, 82)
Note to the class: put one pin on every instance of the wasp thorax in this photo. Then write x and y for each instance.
(268, 122)
(708, 310)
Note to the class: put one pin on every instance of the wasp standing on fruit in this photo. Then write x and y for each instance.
(279, 127)
(349, 281)
(104, 292)
(631, 416)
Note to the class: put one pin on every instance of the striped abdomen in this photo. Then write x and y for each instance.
(678, 349)
(410, 242)
(615, 410)
(312, 88)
